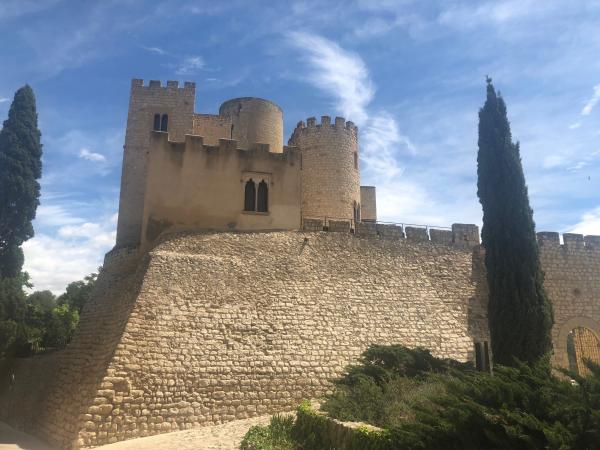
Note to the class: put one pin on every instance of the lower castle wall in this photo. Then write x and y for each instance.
(231, 325)
(212, 327)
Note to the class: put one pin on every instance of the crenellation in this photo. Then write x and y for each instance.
(154, 84)
(573, 241)
(441, 236)
(416, 234)
(325, 121)
(549, 238)
(592, 242)
(311, 122)
(172, 84)
(340, 122)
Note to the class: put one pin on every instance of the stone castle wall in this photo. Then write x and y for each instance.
(572, 282)
(211, 327)
(211, 128)
(330, 173)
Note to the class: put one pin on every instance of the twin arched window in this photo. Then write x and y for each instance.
(256, 201)
(161, 123)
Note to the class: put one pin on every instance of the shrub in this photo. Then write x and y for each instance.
(275, 436)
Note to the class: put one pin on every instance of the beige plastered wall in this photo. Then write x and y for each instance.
(194, 186)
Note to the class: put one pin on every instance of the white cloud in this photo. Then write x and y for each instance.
(76, 250)
(4, 99)
(54, 215)
(589, 106)
(589, 223)
(574, 126)
(338, 72)
(190, 65)
(85, 153)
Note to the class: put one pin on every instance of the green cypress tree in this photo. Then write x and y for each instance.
(520, 315)
(20, 168)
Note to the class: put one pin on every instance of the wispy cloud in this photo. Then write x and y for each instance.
(338, 72)
(589, 106)
(157, 50)
(4, 99)
(190, 65)
(85, 153)
(11, 9)
(574, 126)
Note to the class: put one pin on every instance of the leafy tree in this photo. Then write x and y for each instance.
(44, 300)
(78, 292)
(61, 326)
(520, 315)
(20, 168)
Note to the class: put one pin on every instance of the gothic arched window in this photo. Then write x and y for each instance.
(249, 196)
(156, 126)
(164, 123)
(262, 201)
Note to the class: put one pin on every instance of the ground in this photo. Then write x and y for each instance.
(218, 437)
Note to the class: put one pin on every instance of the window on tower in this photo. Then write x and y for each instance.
(156, 126)
(164, 123)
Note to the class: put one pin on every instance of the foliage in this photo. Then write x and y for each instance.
(519, 313)
(78, 292)
(520, 407)
(275, 436)
(20, 168)
(39, 321)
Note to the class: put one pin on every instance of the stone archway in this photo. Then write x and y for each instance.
(582, 334)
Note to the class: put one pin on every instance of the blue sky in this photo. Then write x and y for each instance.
(411, 74)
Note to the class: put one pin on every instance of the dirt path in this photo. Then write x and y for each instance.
(217, 437)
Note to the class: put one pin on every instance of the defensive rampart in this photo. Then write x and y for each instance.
(211, 327)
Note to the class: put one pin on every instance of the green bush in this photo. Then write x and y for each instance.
(427, 403)
(275, 436)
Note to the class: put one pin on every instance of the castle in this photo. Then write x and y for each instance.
(248, 274)
(231, 171)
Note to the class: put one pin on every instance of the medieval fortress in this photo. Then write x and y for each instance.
(247, 274)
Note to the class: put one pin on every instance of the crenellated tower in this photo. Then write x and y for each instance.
(330, 171)
(167, 108)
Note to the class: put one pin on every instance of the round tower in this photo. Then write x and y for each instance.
(330, 173)
(254, 121)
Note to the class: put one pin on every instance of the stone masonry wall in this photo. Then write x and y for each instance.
(572, 281)
(231, 325)
(52, 392)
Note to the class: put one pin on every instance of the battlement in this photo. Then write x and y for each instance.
(571, 241)
(339, 122)
(138, 83)
(196, 143)
(463, 235)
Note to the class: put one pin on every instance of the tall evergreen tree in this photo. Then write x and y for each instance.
(20, 168)
(520, 315)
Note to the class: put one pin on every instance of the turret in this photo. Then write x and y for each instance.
(330, 172)
(254, 121)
